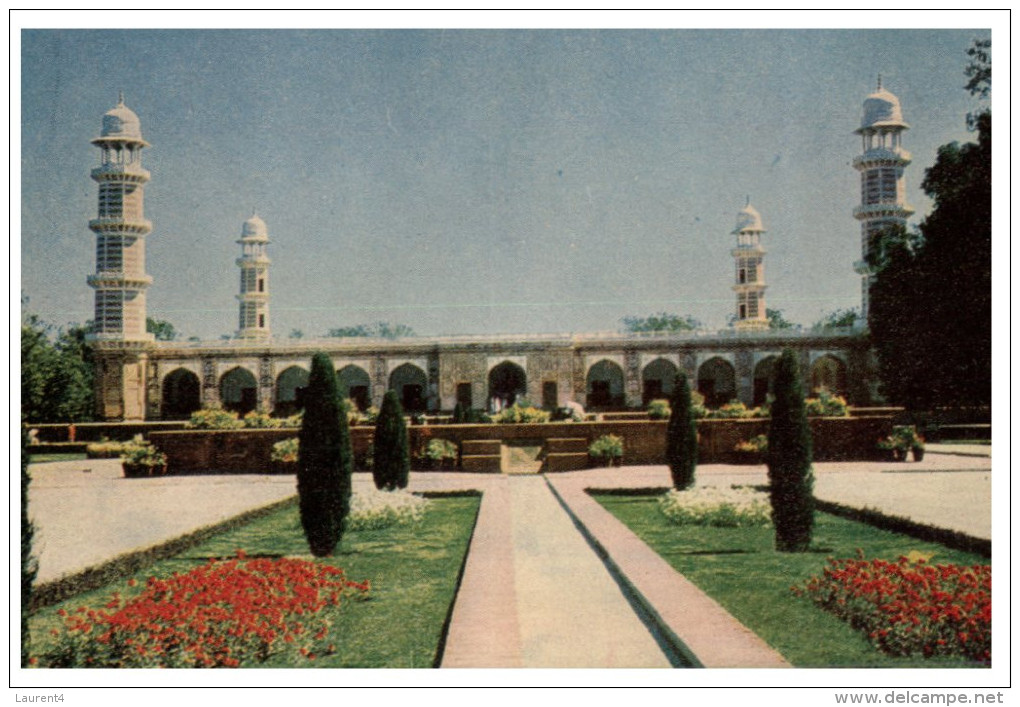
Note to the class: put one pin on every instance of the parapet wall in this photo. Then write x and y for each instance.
(248, 451)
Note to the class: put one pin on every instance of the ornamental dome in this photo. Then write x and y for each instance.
(121, 122)
(882, 109)
(255, 228)
(748, 220)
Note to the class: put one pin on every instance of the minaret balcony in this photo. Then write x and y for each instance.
(892, 210)
(748, 251)
(261, 297)
(759, 286)
(119, 280)
(882, 157)
(112, 171)
(252, 261)
(116, 224)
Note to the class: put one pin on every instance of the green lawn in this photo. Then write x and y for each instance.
(57, 457)
(739, 568)
(413, 570)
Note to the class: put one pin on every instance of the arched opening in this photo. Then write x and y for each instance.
(410, 384)
(182, 394)
(354, 383)
(604, 386)
(828, 373)
(290, 391)
(717, 381)
(239, 390)
(507, 385)
(764, 380)
(657, 380)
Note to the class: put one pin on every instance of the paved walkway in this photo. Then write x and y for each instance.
(534, 591)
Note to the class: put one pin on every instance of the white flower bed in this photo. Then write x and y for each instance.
(372, 509)
(721, 507)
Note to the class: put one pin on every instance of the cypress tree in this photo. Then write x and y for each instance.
(28, 563)
(392, 461)
(325, 461)
(458, 414)
(789, 460)
(682, 436)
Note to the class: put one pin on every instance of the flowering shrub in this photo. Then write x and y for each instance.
(286, 450)
(372, 509)
(517, 414)
(909, 607)
(826, 405)
(107, 449)
(758, 444)
(439, 449)
(214, 419)
(261, 420)
(217, 615)
(659, 410)
(607, 447)
(143, 454)
(716, 506)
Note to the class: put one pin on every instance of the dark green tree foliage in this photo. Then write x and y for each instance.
(56, 376)
(660, 322)
(379, 330)
(931, 301)
(28, 563)
(837, 319)
(160, 329)
(325, 461)
(777, 320)
(791, 481)
(391, 462)
(682, 436)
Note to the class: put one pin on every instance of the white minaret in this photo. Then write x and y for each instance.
(749, 259)
(881, 164)
(253, 316)
(120, 280)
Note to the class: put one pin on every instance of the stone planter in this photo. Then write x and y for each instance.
(142, 471)
(607, 461)
(918, 453)
(282, 467)
(750, 458)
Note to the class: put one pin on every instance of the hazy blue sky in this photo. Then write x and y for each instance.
(474, 181)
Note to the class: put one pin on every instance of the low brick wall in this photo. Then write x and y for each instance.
(247, 451)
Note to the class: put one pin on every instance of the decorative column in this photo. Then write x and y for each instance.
(749, 257)
(883, 191)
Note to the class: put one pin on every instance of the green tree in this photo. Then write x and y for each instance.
(682, 436)
(56, 376)
(661, 322)
(777, 320)
(379, 330)
(791, 481)
(837, 319)
(163, 330)
(931, 298)
(29, 566)
(325, 461)
(391, 462)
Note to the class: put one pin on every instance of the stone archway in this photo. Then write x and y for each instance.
(717, 381)
(604, 386)
(508, 384)
(828, 373)
(239, 390)
(764, 380)
(657, 380)
(354, 382)
(182, 394)
(411, 386)
(290, 391)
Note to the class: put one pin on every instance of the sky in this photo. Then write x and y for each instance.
(474, 181)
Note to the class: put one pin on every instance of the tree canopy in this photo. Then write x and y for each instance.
(379, 330)
(660, 322)
(837, 319)
(56, 372)
(931, 300)
(163, 330)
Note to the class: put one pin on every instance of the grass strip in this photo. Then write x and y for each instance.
(740, 569)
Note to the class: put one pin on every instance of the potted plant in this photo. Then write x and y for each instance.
(903, 439)
(658, 410)
(143, 460)
(441, 453)
(284, 456)
(751, 451)
(607, 449)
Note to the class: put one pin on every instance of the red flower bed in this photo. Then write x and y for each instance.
(217, 615)
(909, 607)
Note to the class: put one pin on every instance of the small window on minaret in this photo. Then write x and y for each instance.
(262, 284)
(262, 321)
(743, 312)
(742, 276)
